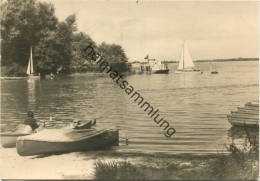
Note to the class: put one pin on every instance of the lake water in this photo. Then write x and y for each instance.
(196, 105)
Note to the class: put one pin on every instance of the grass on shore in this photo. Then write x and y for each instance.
(223, 167)
(239, 164)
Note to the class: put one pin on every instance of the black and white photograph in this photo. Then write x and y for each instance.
(129, 90)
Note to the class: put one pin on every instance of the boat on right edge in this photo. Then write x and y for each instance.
(247, 116)
(186, 64)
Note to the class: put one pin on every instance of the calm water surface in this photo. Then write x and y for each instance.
(196, 105)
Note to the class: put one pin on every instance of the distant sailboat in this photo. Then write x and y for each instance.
(213, 71)
(30, 69)
(186, 64)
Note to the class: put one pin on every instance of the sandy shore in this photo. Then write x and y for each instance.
(76, 165)
(71, 165)
(82, 165)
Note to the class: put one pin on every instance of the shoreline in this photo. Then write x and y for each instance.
(91, 165)
(130, 72)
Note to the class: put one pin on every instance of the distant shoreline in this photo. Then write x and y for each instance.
(220, 60)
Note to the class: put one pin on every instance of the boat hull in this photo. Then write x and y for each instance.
(100, 139)
(12, 78)
(160, 71)
(33, 77)
(243, 120)
(247, 116)
(214, 72)
(187, 71)
(8, 140)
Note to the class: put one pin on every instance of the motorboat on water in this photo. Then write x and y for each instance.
(186, 64)
(65, 140)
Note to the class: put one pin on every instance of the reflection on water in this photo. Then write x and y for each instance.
(196, 105)
(31, 86)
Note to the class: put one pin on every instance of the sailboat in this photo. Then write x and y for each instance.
(186, 63)
(213, 71)
(30, 69)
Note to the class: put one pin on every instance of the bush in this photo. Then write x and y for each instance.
(241, 163)
(112, 170)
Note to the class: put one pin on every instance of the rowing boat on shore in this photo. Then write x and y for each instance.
(247, 111)
(8, 139)
(66, 140)
(236, 121)
(245, 116)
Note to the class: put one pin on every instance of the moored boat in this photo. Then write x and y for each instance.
(252, 106)
(166, 71)
(237, 121)
(8, 139)
(213, 69)
(156, 66)
(245, 116)
(66, 140)
(247, 110)
(12, 78)
(214, 72)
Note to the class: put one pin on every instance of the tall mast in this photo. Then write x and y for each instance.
(183, 55)
(31, 59)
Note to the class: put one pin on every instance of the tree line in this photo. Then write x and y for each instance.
(58, 46)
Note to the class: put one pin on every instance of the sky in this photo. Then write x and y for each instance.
(211, 29)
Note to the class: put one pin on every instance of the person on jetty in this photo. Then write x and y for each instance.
(30, 121)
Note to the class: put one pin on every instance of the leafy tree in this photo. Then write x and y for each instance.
(112, 52)
(79, 55)
(24, 23)
(54, 51)
(57, 47)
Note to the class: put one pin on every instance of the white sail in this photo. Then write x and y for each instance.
(30, 64)
(188, 63)
(181, 61)
(186, 60)
(31, 58)
(28, 72)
